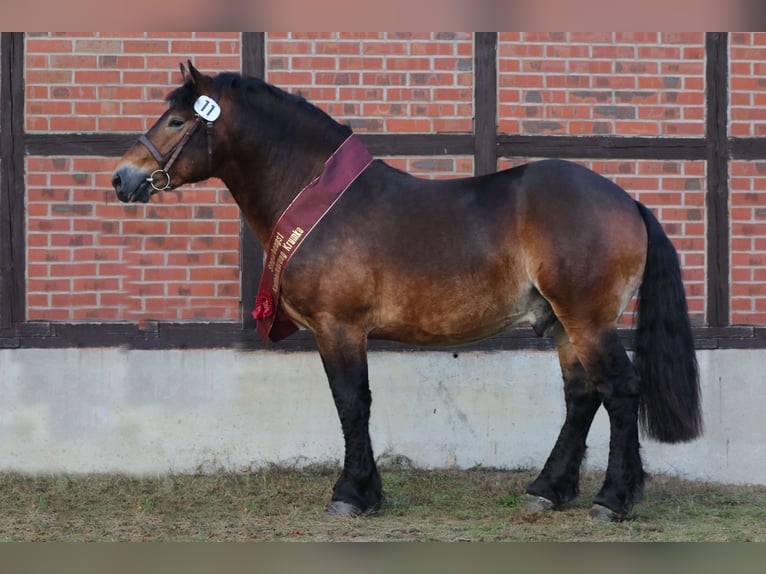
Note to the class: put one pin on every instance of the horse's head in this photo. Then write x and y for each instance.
(178, 148)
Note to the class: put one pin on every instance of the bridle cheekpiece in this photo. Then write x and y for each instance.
(206, 110)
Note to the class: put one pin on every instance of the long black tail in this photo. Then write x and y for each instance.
(670, 409)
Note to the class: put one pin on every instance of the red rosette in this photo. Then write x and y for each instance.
(264, 305)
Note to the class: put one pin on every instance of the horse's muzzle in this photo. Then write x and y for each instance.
(131, 185)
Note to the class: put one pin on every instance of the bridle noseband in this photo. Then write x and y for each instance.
(166, 162)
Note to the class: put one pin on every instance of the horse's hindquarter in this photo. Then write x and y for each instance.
(585, 241)
(448, 262)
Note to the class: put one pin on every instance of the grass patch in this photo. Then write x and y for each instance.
(286, 504)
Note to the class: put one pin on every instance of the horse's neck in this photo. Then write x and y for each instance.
(264, 189)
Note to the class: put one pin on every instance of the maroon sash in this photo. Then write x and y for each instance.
(294, 225)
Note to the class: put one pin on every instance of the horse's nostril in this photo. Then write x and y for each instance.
(116, 182)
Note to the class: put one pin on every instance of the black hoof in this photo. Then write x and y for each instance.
(340, 508)
(604, 514)
(534, 504)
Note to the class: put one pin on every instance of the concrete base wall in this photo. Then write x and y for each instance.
(153, 412)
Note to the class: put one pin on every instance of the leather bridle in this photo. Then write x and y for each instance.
(166, 161)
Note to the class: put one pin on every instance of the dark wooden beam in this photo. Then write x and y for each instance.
(601, 147)
(418, 144)
(114, 144)
(250, 251)
(717, 196)
(485, 102)
(87, 144)
(12, 186)
(747, 148)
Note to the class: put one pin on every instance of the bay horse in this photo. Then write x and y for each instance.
(550, 243)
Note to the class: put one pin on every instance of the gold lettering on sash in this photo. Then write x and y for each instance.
(295, 235)
(280, 252)
(276, 244)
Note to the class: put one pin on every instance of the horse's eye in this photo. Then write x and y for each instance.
(176, 122)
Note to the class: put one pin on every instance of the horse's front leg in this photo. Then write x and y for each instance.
(344, 355)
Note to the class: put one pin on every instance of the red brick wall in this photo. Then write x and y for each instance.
(748, 242)
(376, 82)
(92, 258)
(747, 118)
(747, 110)
(95, 82)
(602, 83)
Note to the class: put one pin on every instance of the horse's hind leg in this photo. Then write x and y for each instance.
(611, 374)
(344, 356)
(558, 482)
(617, 381)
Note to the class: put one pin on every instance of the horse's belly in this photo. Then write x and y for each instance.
(454, 321)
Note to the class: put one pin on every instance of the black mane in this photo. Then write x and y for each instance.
(248, 90)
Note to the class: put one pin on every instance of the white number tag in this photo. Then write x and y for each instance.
(207, 108)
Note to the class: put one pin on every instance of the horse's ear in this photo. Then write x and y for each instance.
(196, 77)
(184, 73)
